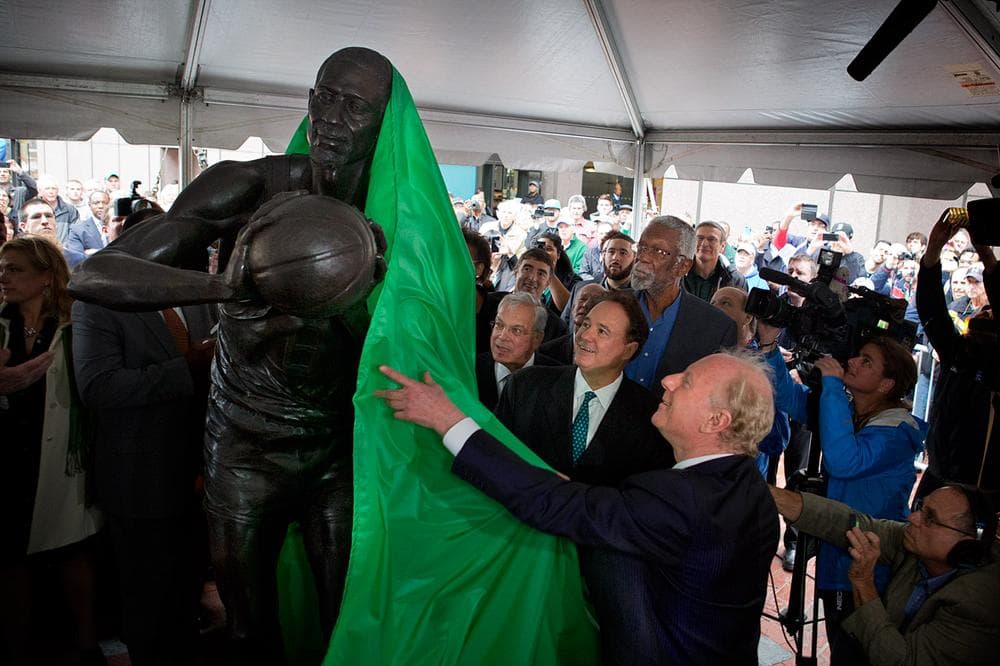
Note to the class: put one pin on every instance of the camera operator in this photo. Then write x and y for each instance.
(868, 446)
(965, 399)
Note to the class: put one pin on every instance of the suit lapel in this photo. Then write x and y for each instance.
(558, 409)
(679, 345)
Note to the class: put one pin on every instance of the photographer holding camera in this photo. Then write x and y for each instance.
(965, 399)
(868, 441)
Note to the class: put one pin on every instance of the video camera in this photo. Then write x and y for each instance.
(825, 325)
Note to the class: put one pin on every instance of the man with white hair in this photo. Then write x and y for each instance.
(66, 215)
(692, 544)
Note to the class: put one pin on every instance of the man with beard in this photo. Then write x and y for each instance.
(617, 254)
(683, 328)
(280, 422)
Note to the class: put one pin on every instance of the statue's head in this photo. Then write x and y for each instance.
(346, 107)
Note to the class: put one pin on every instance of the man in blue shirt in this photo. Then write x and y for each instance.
(682, 328)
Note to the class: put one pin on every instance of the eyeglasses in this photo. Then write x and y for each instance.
(516, 331)
(931, 521)
(642, 249)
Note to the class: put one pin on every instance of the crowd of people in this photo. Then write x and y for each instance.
(597, 338)
(871, 436)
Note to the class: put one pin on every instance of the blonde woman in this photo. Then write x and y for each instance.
(42, 482)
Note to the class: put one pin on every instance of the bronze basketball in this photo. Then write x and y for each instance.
(318, 257)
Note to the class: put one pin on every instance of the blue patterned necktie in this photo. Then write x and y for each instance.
(580, 425)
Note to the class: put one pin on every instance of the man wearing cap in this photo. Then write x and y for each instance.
(477, 217)
(709, 271)
(574, 248)
(534, 195)
(767, 253)
(550, 210)
(853, 261)
(746, 265)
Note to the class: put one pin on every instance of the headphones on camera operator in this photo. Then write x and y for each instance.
(970, 553)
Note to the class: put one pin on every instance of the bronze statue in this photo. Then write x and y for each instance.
(280, 417)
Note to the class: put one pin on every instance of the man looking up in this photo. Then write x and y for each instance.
(709, 271)
(517, 332)
(533, 272)
(694, 563)
(682, 327)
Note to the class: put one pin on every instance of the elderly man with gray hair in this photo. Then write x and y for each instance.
(691, 544)
(682, 327)
(517, 331)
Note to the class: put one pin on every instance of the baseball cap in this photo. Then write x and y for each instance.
(534, 182)
(974, 273)
(824, 218)
(843, 226)
(625, 207)
(746, 246)
(562, 222)
(552, 203)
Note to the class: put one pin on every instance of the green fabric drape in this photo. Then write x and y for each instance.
(439, 573)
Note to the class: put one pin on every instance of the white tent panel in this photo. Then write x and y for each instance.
(938, 174)
(537, 67)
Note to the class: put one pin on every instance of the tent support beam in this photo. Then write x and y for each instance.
(67, 84)
(855, 138)
(639, 189)
(599, 18)
(196, 39)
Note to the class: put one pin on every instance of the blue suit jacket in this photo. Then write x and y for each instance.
(84, 235)
(692, 546)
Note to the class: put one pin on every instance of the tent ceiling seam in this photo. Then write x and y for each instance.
(599, 18)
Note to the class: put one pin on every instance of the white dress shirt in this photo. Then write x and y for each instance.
(459, 434)
(501, 372)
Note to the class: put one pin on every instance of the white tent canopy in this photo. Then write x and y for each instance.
(711, 87)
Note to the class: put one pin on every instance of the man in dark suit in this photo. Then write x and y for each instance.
(562, 348)
(144, 377)
(542, 405)
(534, 269)
(517, 332)
(682, 328)
(692, 545)
(85, 234)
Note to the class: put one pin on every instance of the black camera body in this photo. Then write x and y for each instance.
(825, 325)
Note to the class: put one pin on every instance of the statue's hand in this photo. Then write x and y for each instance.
(236, 276)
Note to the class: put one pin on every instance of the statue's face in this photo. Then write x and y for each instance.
(346, 107)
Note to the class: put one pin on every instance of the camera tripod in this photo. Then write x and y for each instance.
(794, 618)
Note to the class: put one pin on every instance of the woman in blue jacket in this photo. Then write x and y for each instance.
(869, 440)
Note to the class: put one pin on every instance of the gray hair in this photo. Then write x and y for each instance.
(721, 227)
(750, 408)
(686, 243)
(577, 198)
(516, 298)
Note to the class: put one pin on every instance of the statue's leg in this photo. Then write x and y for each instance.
(245, 556)
(326, 532)
(247, 507)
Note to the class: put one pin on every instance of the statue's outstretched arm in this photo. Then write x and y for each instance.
(141, 270)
